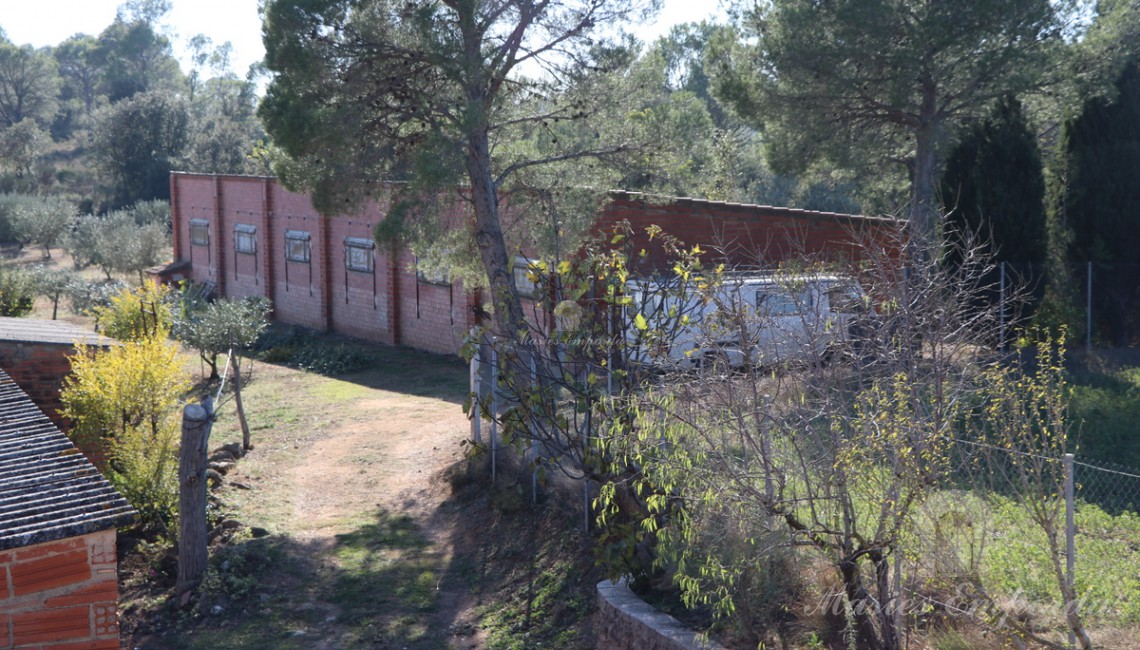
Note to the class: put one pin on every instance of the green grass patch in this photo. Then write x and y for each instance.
(548, 608)
(996, 538)
(1105, 411)
(337, 390)
(386, 581)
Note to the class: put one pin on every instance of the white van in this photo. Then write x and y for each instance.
(757, 319)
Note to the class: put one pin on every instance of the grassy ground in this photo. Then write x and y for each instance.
(1105, 406)
(380, 533)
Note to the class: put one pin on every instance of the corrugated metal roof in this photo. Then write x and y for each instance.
(34, 330)
(48, 489)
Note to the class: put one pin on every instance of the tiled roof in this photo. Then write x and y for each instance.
(48, 489)
(33, 330)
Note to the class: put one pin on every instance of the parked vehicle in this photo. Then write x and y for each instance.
(747, 319)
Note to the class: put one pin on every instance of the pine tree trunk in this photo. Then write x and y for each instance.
(509, 318)
(922, 212)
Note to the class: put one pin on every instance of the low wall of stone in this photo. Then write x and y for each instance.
(625, 622)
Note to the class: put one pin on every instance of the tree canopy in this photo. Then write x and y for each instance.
(135, 58)
(1101, 200)
(994, 187)
(137, 143)
(860, 81)
(29, 84)
(366, 90)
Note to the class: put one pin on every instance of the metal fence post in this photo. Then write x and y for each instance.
(477, 396)
(610, 351)
(1070, 538)
(585, 478)
(1001, 307)
(585, 504)
(1088, 312)
(533, 451)
(494, 404)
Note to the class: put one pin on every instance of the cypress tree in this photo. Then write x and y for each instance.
(993, 187)
(1101, 203)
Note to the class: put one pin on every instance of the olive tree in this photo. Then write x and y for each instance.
(117, 243)
(227, 326)
(42, 220)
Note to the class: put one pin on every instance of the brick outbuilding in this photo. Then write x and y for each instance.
(35, 354)
(58, 516)
(249, 236)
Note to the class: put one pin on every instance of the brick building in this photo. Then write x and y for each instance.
(249, 236)
(58, 515)
(35, 354)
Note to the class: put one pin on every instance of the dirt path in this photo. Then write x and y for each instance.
(347, 476)
(375, 452)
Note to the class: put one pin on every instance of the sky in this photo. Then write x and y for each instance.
(49, 22)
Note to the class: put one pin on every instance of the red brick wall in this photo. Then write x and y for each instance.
(60, 595)
(360, 302)
(242, 203)
(299, 286)
(749, 236)
(193, 198)
(39, 369)
(391, 305)
(388, 305)
(433, 317)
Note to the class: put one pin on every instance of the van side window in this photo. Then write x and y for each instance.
(771, 302)
(844, 300)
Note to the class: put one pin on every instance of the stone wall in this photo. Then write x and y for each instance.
(625, 622)
(60, 595)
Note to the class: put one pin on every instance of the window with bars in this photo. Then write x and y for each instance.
(245, 239)
(199, 232)
(522, 272)
(432, 276)
(298, 246)
(358, 254)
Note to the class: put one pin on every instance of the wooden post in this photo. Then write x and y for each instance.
(197, 420)
(245, 442)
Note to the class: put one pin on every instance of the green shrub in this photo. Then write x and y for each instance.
(86, 296)
(136, 314)
(303, 349)
(52, 284)
(8, 204)
(125, 400)
(17, 292)
(143, 467)
(328, 358)
(217, 327)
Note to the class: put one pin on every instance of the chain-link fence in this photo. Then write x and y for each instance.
(1101, 300)
(550, 444)
(1114, 488)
